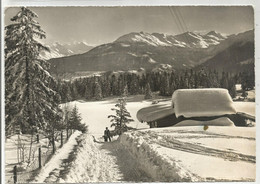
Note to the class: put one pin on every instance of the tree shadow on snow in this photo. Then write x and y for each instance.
(128, 165)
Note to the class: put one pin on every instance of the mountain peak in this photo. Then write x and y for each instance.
(212, 33)
(65, 49)
(216, 35)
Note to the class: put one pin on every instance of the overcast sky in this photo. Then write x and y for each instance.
(98, 25)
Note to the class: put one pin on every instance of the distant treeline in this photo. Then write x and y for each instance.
(125, 83)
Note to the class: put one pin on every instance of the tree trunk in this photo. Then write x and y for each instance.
(61, 139)
(53, 143)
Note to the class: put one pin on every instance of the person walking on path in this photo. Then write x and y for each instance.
(107, 135)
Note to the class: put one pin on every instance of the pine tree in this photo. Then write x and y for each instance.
(133, 84)
(125, 93)
(97, 91)
(75, 121)
(122, 117)
(120, 89)
(148, 92)
(244, 94)
(114, 85)
(80, 85)
(74, 91)
(106, 89)
(66, 92)
(248, 80)
(165, 86)
(232, 90)
(31, 103)
(224, 80)
(87, 92)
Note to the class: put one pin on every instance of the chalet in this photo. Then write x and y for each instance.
(190, 107)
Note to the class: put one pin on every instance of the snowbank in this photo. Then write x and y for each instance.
(157, 166)
(202, 102)
(192, 154)
(92, 164)
(56, 161)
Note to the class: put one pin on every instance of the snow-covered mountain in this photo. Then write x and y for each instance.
(143, 50)
(65, 49)
(234, 54)
(187, 39)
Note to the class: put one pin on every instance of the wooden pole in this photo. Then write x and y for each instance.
(67, 131)
(53, 144)
(37, 137)
(18, 149)
(40, 157)
(15, 174)
(61, 139)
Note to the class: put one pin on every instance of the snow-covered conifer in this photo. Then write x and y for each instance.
(148, 92)
(97, 91)
(125, 93)
(75, 121)
(122, 117)
(30, 99)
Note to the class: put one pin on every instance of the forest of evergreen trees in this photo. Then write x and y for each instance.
(118, 84)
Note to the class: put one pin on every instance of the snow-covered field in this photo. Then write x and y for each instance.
(193, 154)
(158, 154)
(11, 147)
(95, 114)
(246, 107)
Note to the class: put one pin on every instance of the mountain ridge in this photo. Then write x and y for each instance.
(144, 50)
(186, 39)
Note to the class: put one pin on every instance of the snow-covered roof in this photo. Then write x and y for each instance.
(222, 121)
(155, 112)
(202, 102)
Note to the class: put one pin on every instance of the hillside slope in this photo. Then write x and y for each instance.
(233, 55)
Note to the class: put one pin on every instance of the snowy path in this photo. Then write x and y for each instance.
(50, 172)
(127, 164)
(95, 161)
(103, 162)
